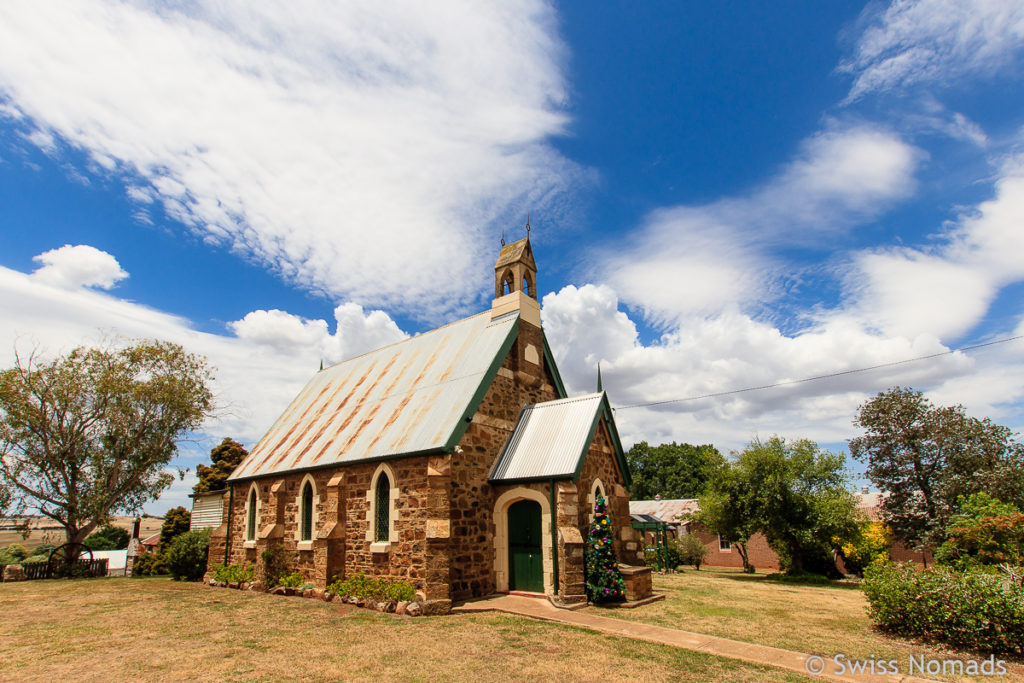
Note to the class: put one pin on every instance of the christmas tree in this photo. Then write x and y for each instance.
(604, 582)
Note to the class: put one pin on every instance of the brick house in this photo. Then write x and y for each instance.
(723, 553)
(453, 460)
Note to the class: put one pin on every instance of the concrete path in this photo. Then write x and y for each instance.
(539, 608)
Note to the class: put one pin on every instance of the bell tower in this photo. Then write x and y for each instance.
(515, 282)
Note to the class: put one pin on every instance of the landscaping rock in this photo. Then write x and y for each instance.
(14, 572)
(433, 607)
(212, 582)
(257, 586)
(413, 609)
(307, 592)
(233, 584)
(289, 591)
(327, 597)
(353, 600)
(244, 586)
(279, 590)
(401, 607)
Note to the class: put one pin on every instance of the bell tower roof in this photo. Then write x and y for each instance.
(517, 251)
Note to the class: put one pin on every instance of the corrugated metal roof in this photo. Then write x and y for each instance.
(550, 439)
(403, 398)
(667, 510)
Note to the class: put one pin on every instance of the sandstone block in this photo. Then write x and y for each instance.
(413, 609)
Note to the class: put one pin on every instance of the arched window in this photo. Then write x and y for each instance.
(307, 512)
(382, 510)
(250, 522)
(528, 286)
(507, 283)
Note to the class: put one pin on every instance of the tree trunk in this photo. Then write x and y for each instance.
(742, 548)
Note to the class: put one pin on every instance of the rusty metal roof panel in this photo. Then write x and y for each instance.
(407, 397)
(669, 510)
(550, 439)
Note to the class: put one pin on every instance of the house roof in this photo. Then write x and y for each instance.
(409, 397)
(551, 439)
(153, 540)
(666, 510)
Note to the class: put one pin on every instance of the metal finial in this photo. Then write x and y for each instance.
(600, 386)
(503, 237)
(527, 226)
(321, 364)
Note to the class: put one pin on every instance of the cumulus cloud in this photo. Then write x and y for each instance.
(934, 42)
(260, 363)
(351, 147)
(699, 259)
(730, 351)
(76, 266)
(356, 332)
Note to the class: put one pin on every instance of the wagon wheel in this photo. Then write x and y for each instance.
(64, 561)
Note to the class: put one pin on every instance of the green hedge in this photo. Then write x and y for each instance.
(973, 610)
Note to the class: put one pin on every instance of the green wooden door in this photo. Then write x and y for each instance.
(525, 563)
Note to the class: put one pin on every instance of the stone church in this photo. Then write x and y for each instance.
(453, 460)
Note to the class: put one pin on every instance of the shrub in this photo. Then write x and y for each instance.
(234, 573)
(274, 565)
(149, 564)
(362, 587)
(186, 558)
(974, 610)
(16, 551)
(871, 546)
(692, 551)
(663, 557)
(985, 532)
(107, 537)
(293, 580)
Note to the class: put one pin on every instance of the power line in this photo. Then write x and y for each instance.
(817, 377)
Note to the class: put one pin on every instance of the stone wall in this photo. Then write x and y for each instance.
(602, 464)
(519, 382)
(341, 519)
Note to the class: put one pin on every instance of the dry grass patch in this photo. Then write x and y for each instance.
(822, 620)
(114, 629)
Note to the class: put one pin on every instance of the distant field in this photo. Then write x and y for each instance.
(158, 630)
(47, 531)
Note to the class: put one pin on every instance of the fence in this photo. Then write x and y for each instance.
(41, 570)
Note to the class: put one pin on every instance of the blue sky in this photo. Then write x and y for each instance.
(722, 196)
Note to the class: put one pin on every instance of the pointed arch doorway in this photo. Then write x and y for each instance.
(525, 555)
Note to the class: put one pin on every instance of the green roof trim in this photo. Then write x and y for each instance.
(485, 383)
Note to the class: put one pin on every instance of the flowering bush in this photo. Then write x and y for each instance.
(871, 546)
(974, 610)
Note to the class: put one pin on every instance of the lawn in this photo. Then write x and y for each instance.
(821, 620)
(156, 629)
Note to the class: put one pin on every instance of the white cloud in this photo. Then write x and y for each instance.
(935, 42)
(76, 266)
(259, 369)
(729, 351)
(356, 332)
(352, 147)
(700, 259)
(947, 287)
